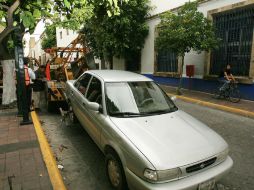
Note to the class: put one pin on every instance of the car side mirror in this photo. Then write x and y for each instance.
(93, 106)
(173, 98)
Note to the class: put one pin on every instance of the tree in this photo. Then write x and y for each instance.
(185, 30)
(22, 15)
(49, 40)
(26, 13)
(120, 35)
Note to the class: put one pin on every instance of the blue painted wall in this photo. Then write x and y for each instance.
(247, 90)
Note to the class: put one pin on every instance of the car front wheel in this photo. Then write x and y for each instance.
(115, 172)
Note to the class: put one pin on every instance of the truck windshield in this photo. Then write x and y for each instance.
(134, 99)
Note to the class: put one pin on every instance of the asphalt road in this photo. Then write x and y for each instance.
(84, 163)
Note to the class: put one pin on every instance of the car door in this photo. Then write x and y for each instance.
(95, 119)
(78, 95)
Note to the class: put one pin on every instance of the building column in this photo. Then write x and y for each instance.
(251, 73)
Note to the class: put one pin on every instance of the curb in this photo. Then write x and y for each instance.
(216, 106)
(54, 174)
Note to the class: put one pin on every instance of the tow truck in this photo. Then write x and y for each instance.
(67, 63)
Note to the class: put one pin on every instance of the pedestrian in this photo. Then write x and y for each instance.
(38, 86)
(29, 77)
(226, 77)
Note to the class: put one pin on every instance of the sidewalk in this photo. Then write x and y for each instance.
(21, 162)
(244, 107)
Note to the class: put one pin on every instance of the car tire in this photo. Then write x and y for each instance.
(115, 172)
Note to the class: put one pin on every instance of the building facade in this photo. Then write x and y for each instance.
(234, 23)
(65, 36)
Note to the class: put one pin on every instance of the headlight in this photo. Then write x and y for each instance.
(166, 175)
(223, 155)
(151, 175)
(162, 175)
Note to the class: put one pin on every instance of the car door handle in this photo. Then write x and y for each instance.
(72, 93)
(83, 104)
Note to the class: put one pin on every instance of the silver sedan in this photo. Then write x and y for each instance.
(147, 141)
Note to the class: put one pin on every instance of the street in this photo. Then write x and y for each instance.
(83, 163)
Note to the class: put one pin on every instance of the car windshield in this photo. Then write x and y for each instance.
(133, 99)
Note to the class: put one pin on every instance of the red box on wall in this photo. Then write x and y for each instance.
(190, 70)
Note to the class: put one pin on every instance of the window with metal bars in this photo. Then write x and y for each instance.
(235, 29)
(167, 62)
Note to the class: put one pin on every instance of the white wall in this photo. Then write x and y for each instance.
(66, 38)
(160, 6)
(147, 53)
(147, 56)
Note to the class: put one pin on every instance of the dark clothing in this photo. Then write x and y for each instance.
(29, 96)
(39, 84)
(222, 75)
(228, 71)
(40, 74)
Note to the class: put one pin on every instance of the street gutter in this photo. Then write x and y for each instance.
(215, 106)
(54, 174)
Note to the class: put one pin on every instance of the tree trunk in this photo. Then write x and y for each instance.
(178, 90)
(9, 28)
(110, 60)
(103, 64)
(9, 86)
(6, 32)
(4, 52)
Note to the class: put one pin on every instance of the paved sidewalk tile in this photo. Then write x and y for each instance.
(21, 163)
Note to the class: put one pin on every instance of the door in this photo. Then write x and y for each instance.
(79, 92)
(94, 119)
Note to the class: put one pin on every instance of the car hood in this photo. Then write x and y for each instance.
(171, 140)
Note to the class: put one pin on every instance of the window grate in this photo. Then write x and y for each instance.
(235, 28)
(167, 62)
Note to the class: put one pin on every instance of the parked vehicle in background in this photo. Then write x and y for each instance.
(147, 141)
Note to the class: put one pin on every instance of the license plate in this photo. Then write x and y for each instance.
(207, 185)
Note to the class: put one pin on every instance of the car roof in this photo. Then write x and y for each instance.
(118, 76)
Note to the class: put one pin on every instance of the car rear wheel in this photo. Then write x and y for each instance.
(115, 172)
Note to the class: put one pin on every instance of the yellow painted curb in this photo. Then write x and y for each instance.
(54, 174)
(217, 106)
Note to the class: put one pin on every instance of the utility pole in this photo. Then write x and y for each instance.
(18, 89)
(21, 88)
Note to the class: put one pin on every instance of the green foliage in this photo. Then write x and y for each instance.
(119, 35)
(10, 46)
(49, 40)
(76, 20)
(185, 30)
(29, 12)
(27, 19)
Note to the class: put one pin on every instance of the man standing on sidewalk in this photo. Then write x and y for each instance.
(38, 86)
(29, 76)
